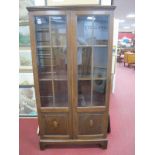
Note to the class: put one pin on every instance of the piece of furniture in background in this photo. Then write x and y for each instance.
(120, 55)
(129, 58)
(72, 57)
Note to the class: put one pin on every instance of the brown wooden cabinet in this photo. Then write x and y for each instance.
(71, 54)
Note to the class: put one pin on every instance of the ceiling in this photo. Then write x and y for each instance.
(124, 8)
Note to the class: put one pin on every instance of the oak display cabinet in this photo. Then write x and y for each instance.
(72, 56)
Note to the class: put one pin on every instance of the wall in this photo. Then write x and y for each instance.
(71, 2)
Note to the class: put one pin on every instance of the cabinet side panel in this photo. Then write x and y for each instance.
(35, 68)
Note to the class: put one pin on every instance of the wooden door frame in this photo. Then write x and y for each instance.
(105, 108)
(41, 110)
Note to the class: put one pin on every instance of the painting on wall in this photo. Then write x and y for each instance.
(25, 58)
(126, 39)
(24, 36)
(26, 79)
(23, 13)
(27, 102)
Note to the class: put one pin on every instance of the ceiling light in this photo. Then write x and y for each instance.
(131, 16)
(126, 27)
(91, 18)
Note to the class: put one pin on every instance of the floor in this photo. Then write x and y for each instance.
(121, 138)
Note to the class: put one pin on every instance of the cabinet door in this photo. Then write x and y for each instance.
(92, 58)
(52, 71)
(91, 72)
(52, 53)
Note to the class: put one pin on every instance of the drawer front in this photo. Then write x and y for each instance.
(91, 124)
(56, 124)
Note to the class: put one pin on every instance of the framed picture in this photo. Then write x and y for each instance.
(26, 79)
(25, 58)
(23, 13)
(24, 36)
(126, 39)
(27, 106)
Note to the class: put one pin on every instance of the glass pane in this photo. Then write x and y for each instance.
(58, 30)
(100, 62)
(100, 30)
(61, 93)
(84, 93)
(42, 30)
(92, 56)
(46, 93)
(44, 63)
(52, 60)
(60, 63)
(84, 30)
(84, 62)
(99, 87)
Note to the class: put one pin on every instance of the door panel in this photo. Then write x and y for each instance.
(56, 124)
(91, 125)
(92, 57)
(90, 73)
(52, 60)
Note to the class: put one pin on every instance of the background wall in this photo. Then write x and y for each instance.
(71, 2)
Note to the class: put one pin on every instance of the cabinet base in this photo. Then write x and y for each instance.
(44, 142)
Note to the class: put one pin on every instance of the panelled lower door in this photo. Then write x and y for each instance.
(53, 74)
(90, 74)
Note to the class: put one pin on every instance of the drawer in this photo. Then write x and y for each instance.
(56, 124)
(91, 123)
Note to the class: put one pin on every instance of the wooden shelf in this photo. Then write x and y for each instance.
(52, 46)
(58, 46)
(55, 78)
(58, 33)
(43, 54)
(43, 30)
(85, 78)
(46, 96)
(92, 45)
(43, 46)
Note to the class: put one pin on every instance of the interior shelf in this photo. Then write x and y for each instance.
(43, 46)
(92, 45)
(42, 30)
(55, 78)
(86, 78)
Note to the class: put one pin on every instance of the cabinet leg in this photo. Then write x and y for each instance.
(103, 145)
(42, 146)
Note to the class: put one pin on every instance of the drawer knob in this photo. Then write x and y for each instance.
(55, 124)
(91, 123)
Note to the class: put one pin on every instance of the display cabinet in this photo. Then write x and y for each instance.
(72, 55)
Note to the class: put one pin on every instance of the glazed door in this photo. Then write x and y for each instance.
(51, 54)
(91, 73)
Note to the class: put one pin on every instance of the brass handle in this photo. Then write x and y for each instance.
(55, 124)
(91, 123)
